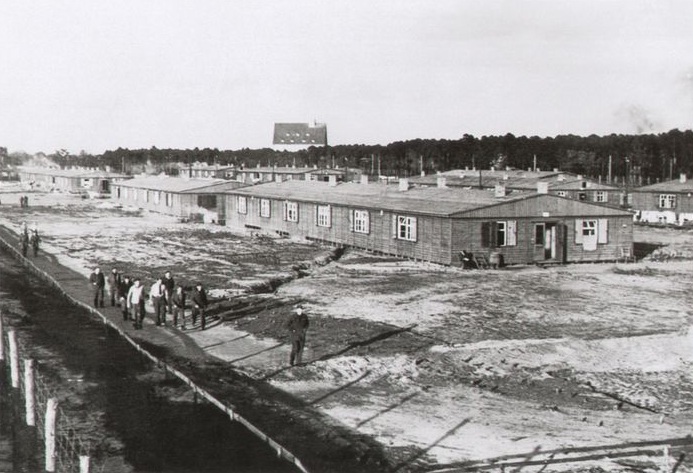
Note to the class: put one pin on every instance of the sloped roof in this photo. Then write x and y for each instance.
(73, 173)
(279, 170)
(300, 134)
(668, 186)
(521, 180)
(420, 200)
(178, 184)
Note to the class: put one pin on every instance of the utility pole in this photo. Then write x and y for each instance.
(609, 179)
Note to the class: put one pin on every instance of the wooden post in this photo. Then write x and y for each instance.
(83, 464)
(14, 358)
(666, 465)
(50, 423)
(29, 393)
(2, 339)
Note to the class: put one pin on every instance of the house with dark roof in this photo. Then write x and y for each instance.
(299, 135)
(195, 199)
(435, 224)
(92, 182)
(664, 202)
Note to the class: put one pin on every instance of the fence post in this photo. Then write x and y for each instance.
(666, 465)
(83, 464)
(14, 358)
(29, 393)
(51, 420)
(2, 339)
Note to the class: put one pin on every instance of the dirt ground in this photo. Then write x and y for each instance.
(568, 368)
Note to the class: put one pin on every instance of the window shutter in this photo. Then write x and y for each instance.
(511, 229)
(413, 229)
(297, 207)
(285, 206)
(317, 217)
(603, 229)
(394, 226)
(485, 234)
(351, 220)
(329, 216)
(578, 231)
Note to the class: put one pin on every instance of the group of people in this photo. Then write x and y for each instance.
(24, 201)
(27, 239)
(166, 298)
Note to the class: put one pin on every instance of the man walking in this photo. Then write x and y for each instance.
(35, 240)
(114, 281)
(297, 326)
(169, 286)
(123, 291)
(135, 300)
(199, 298)
(178, 302)
(98, 282)
(157, 294)
(24, 242)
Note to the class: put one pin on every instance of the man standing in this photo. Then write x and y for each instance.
(135, 300)
(297, 326)
(35, 240)
(199, 304)
(24, 242)
(178, 302)
(114, 281)
(98, 282)
(123, 291)
(157, 294)
(169, 286)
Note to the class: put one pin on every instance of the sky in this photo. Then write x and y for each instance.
(97, 75)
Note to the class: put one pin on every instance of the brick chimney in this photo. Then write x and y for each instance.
(403, 185)
(682, 178)
(499, 190)
(441, 182)
(332, 180)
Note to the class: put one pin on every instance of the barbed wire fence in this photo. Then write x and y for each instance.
(64, 436)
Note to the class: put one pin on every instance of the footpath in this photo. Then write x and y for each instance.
(297, 432)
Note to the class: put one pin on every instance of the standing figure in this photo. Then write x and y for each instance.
(157, 294)
(199, 298)
(169, 286)
(123, 290)
(24, 242)
(98, 282)
(297, 326)
(35, 240)
(178, 301)
(114, 281)
(135, 300)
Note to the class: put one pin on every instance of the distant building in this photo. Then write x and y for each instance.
(435, 224)
(664, 202)
(205, 171)
(195, 199)
(295, 136)
(95, 183)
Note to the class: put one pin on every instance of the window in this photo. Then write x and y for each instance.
(145, 195)
(118, 192)
(360, 221)
(242, 204)
(582, 195)
(125, 192)
(265, 208)
(589, 228)
(502, 233)
(157, 197)
(404, 227)
(169, 199)
(324, 216)
(590, 232)
(207, 201)
(291, 211)
(601, 196)
(667, 201)
(561, 193)
(86, 182)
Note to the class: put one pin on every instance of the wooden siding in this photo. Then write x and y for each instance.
(467, 236)
(650, 201)
(432, 241)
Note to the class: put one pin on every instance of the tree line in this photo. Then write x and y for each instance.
(642, 159)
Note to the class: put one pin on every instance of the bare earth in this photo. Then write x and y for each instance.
(544, 369)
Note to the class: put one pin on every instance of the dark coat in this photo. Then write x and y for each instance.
(297, 325)
(97, 279)
(200, 297)
(169, 284)
(114, 280)
(178, 300)
(124, 287)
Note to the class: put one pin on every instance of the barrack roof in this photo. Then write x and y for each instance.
(300, 134)
(180, 185)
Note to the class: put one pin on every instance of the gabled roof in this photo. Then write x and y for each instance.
(72, 173)
(300, 134)
(279, 170)
(180, 185)
(668, 186)
(419, 200)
